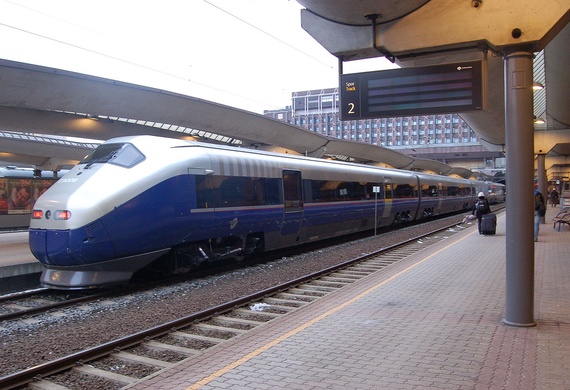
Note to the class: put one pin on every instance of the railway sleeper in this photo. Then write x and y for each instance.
(284, 304)
(308, 292)
(46, 384)
(295, 297)
(263, 314)
(355, 274)
(349, 275)
(185, 336)
(384, 261)
(369, 267)
(317, 287)
(86, 369)
(330, 283)
(158, 346)
(340, 279)
(239, 321)
(131, 357)
(203, 326)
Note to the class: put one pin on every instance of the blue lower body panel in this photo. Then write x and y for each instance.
(70, 247)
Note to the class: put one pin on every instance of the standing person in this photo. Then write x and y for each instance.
(554, 197)
(481, 207)
(539, 212)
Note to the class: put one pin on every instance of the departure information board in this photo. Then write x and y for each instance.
(439, 89)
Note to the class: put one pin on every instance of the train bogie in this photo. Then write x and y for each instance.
(138, 199)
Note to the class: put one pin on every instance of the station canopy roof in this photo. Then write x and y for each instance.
(45, 101)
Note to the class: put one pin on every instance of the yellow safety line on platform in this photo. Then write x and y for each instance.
(287, 335)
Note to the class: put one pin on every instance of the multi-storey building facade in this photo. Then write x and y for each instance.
(444, 137)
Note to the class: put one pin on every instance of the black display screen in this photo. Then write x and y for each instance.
(439, 89)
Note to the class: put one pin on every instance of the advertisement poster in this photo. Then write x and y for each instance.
(19, 196)
(3, 196)
(39, 186)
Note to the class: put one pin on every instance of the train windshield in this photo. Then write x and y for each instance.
(122, 154)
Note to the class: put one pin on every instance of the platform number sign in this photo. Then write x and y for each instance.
(350, 96)
(439, 89)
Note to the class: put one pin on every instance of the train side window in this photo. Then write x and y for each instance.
(272, 191)
(354, 190)
(324, 190)
(369, 191)
(453, 191)
(233, 191)
(204, 192)
(404, 191)
(336, 191)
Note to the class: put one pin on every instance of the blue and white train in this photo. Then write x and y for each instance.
(138, 200)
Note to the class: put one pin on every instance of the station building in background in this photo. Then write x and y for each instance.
(446, 137)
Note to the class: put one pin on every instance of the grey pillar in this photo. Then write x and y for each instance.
(519, 310)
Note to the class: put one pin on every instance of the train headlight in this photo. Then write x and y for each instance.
(37, 214)
(62, 214)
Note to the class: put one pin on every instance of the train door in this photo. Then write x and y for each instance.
(442, 194)
(293, 202)
(388, 197)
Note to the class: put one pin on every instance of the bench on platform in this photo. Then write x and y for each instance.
(561, 218)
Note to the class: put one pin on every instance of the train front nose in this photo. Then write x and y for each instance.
(51, 247)
(71, 247)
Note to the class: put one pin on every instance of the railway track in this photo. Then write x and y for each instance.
(126, 360)
(27, 304)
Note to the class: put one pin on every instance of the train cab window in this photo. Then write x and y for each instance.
(122, 154)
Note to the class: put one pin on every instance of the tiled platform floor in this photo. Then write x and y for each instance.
(433, 320)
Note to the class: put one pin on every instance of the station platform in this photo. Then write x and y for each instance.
(433, 320)
(17, 264)
(16, 257)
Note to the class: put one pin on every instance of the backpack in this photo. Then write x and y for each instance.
(542, 209)
(481, 207)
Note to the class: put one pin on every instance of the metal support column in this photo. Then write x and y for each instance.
(519, 310)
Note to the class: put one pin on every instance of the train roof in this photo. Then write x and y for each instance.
(154, 142)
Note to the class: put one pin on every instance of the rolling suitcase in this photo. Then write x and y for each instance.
(488, 224)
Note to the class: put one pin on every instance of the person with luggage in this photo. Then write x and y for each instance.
(480, 208)
(539, 211)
